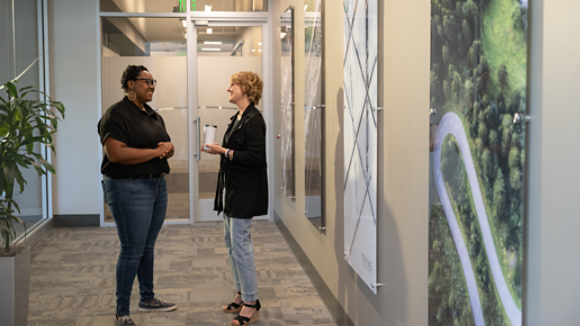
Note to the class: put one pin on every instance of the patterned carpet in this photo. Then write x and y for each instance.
(73, 278)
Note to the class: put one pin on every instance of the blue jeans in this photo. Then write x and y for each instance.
(138, 206)
(241, 252)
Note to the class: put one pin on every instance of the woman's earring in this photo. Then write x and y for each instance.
(131, 95)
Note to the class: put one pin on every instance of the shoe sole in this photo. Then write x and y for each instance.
(157, 309)
(253, 319)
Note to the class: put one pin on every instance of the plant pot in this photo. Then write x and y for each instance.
(14, 289)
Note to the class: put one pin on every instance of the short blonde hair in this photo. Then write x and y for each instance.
(251, 85)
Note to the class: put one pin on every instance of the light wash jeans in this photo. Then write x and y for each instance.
(241, 252)
(138, 206)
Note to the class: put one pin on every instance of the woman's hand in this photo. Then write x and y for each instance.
(213, 149)
(165, 149)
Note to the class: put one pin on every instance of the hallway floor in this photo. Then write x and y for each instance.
(73, 278)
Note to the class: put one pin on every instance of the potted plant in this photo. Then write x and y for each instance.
(23, 124)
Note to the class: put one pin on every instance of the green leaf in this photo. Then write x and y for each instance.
(13, 174)
(38, 168)
(46, 165)
(19, 160)
(23, 123)
(38, 139)
(3, 183)
(12, 89)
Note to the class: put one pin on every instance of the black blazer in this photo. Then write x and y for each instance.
(245, 176)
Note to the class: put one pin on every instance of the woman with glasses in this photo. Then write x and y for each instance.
(242, 190)
(137, 147)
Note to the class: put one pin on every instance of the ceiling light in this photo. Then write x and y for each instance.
(212, 42)
(259, 43)
(184, 23)
(305, 6)
(211, 49)
(253, 50)
(282, 35)
(209, 30)
(260, 50)
(207, 8)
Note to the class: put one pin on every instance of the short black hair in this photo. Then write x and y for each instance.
(131, 73)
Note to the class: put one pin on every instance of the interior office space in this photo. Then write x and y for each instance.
(78, 50)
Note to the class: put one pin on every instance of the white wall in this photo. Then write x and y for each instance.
(552, 285)
(74, 54)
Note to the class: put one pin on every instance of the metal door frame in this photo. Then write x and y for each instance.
(219, 19)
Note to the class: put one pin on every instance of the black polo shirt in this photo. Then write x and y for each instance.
(125, 122)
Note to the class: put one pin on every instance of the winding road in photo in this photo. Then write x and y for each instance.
(451, 124)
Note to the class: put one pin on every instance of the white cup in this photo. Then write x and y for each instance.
(209, 135)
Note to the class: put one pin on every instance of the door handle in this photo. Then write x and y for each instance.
(197, 122)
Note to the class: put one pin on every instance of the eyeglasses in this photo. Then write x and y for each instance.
(150, 82)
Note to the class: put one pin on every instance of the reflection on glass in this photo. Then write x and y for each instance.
(180, 6)
(228, 5)
(159, 45)
(313, 112)
(213, 100)
(476, 196)
(287, 107)
(19, 59)
(229, 41)
(143, 5)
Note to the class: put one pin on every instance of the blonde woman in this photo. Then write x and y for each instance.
(242, 190)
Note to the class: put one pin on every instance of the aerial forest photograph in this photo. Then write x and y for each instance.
(478, 97)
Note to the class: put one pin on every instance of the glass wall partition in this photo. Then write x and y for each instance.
(160, 45)
(287, 105)
(313, 113)
(22, 60)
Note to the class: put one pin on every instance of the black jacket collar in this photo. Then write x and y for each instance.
(248, 112)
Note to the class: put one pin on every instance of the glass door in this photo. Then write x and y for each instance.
(159, 44)
(192, 54)
(219, 50)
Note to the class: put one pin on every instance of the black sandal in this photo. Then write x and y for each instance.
(236, 307)
(245, 320)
